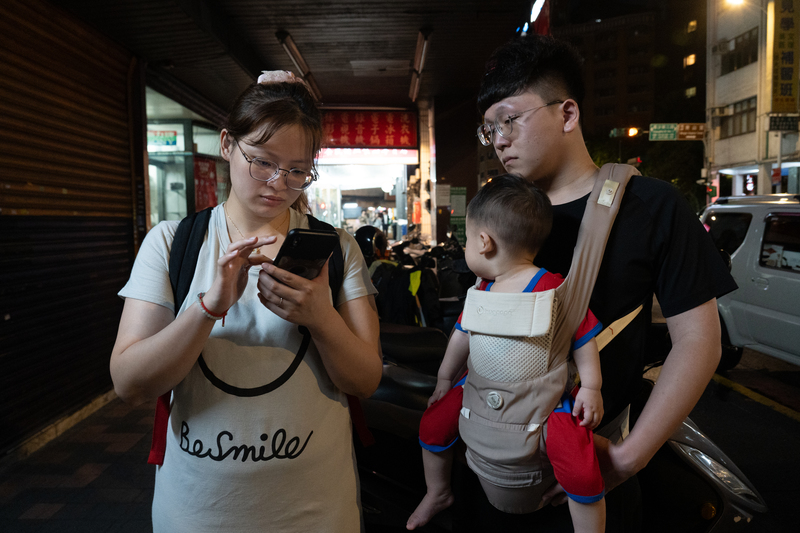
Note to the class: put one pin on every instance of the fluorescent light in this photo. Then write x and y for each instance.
(300, 64)
(415, 82)
(419, 63)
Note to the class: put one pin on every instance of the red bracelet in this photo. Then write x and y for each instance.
(208, 313)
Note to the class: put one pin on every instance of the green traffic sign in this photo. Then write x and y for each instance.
(664, 132)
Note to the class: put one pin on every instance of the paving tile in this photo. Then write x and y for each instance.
(21, 526)
(41, 511)
(84, 475)
(92, 478)
(75, 512)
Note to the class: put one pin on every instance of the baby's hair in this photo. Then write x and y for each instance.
(515, 211)
(268, 107)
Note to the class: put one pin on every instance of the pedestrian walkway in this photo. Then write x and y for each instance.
(93, 478)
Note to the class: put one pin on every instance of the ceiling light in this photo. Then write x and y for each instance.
(419, 64)
(300, 64)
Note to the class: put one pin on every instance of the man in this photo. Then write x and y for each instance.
(530, 97)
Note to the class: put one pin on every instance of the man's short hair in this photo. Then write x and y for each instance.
(551, 68)
(515, 211)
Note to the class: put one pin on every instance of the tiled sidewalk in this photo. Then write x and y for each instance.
(93, 478)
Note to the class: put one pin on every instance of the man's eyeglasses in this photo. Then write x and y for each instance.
(263, 170)
(504, 124)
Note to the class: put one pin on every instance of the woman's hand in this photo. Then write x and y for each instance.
(231, 277)
(293, 298)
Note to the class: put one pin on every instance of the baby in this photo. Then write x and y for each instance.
(507, 223)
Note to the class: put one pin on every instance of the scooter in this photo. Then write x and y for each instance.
(689, 486)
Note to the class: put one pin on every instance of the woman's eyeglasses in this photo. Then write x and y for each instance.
(297, 179)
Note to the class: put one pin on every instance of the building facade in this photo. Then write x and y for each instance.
(752, 85)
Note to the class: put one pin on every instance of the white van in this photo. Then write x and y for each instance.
(762, 236)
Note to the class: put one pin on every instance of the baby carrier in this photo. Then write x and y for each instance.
(518, 368)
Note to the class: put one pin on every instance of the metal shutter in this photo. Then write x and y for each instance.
(69, 132)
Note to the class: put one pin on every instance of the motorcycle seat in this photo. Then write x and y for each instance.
(415, 347)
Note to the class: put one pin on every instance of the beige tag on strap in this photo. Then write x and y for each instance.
(608, 192)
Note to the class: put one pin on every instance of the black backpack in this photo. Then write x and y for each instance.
(189, 238)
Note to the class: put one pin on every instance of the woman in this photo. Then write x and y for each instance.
(281, 460)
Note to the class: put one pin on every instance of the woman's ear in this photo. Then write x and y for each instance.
(571, 115)
(225, 145)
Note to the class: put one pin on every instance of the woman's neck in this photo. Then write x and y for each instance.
(242, 224)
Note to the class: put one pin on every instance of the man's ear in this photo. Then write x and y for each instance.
(571, 115)
(487, 245)
(225, 145)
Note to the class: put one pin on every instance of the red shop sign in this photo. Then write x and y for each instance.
(370, 129)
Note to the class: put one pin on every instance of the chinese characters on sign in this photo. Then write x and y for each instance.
(786, 49)
(685, 131)
(664, 132)
(370, 129)
(205, 182)
(691, 131)
(162, 138)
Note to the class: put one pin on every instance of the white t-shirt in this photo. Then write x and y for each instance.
(281, 461)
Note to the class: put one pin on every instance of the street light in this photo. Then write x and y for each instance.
(749, 4)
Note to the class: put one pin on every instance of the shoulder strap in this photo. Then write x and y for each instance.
(598, 218)
(183, 255)
(335, 280)
(336, 264)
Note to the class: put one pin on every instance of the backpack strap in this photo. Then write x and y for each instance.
(335, 280)
(336, 264)
(183, 255)
(598, 219)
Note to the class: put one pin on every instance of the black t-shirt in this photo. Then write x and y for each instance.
(657, 245)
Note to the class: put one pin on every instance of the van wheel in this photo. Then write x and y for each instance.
(731, 355)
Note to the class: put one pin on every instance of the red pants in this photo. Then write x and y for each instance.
(570, 447)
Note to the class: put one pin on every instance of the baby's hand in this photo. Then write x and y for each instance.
(442, 386)
(588, 407)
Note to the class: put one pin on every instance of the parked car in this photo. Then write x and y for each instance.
(762, 236)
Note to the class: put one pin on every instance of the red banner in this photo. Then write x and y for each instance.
(205, 183)
(370, 129)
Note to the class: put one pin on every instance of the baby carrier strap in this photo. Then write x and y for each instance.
(184, 252)
(574, 294)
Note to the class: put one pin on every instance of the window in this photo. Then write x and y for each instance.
(638, 69)
(605, 92)
(638, 108)
(691, 92)
(638, 88)
(741, 51)
(692, 26)
(781, 245)
(609, 54)
(604, 111)
(605, 38)
(728, 230)
(742, 121)
(605, 73)
(689, 60)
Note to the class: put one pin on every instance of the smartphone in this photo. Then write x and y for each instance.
(305, 251)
